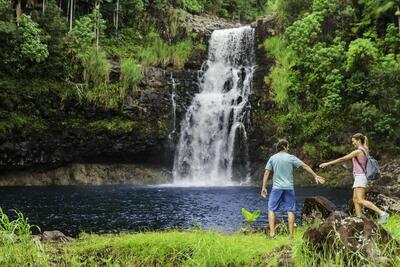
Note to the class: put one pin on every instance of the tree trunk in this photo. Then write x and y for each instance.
(71, 15)
(97, 30)
(116, 21)
(18, 11)
(398, 19)
(68, 8)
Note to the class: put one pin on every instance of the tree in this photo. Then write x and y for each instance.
(29, 47)
(55, 27)
(8, 33)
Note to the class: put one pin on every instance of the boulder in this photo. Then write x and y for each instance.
(316, 208)
(350, 236)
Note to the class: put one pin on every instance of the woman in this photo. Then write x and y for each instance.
(359, 159)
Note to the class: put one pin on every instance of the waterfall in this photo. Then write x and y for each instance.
(173, 95)
(213, 132)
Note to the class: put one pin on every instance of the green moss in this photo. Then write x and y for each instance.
(15, 121)
(115, 124)
(76, 122)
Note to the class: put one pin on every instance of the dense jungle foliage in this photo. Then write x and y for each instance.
(336, 69)
(337, 72)
(53, 39)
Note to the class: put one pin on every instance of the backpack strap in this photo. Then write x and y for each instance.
(359, 163)
(364, 151)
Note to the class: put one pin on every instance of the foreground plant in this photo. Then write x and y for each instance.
(19, 227)
(17, 248)
(250, 217)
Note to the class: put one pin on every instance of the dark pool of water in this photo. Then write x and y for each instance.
(99, 209)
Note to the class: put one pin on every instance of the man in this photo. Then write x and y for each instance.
(281, 164)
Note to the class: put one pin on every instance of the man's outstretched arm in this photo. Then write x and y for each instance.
(318, 179)
(264, 185)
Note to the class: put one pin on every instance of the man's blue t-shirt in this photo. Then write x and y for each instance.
(282, 165)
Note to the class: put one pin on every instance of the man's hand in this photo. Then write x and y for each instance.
(319, 179)
(323, 165)
(264, 192)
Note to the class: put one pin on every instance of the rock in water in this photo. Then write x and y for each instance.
(55, 236)
(349, 236)
(316, 208)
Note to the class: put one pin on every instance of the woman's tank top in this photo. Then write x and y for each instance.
(363, 161)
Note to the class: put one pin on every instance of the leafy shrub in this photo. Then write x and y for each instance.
(288, 11)
(195, 6)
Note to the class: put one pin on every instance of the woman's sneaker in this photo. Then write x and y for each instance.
(383, 217)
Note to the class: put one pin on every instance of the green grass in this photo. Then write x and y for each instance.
(165, 248)
(393, 225)
(96, 67)
(152, 50)
(171, 248)
(131, 73)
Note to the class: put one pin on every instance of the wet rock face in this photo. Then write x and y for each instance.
(316, 208)
(149, 109)
(348, 235)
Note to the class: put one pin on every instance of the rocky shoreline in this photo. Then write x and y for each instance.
(89, 174)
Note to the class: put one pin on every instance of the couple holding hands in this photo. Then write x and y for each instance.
(282, 163)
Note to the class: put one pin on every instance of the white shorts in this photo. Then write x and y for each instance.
(360, 180)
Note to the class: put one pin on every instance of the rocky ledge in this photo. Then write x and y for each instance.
(88, 174)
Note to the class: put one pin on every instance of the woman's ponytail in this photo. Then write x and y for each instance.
(365, 141)
(362, 138)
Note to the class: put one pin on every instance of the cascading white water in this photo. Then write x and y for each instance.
(173, 84)
(215, 122)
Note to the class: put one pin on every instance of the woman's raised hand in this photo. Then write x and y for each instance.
(323, 165)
